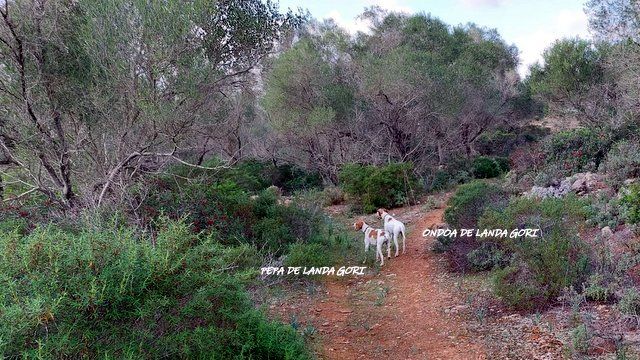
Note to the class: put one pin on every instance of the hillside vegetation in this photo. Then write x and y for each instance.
(155, 155)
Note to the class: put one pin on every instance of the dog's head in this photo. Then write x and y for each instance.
(358, 224)
(381, 211)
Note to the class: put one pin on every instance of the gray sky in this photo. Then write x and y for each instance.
(531, 25)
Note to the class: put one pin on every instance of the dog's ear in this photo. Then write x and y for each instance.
(358, 224)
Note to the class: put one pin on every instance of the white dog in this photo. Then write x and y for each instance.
(393, 227)
(375, 237)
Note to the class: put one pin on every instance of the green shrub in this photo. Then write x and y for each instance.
(486, 257)
(622, 162)
(18, 225)
(463, 210)
(580, 339)
(332, 195)
(379, 186)
(235, 216)
(576, 150)
(562, 154)
(606, 210)
(489, 167)
(596, 289)
(253, 175)
(442, 244)
(111, 294)
(512, 285)
(630, 204)
(306, 255)
(502, 142)
(629, 304)
(555, 260)
(499, 142)
(469, 201)
(444, 179)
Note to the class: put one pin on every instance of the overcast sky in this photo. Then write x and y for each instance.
(532, 25)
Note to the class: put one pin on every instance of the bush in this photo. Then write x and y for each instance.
(442, 244)
(622, 162)
(253, 175)
(580, 339)
(486, 257)
(605, 211)
(489, 167)
(379, 186)
(629, 304)
(512, 284)
(630, 204)
(469, 201)
(111, 294)
(499, 142)
(236, 217)
(461, 170)
(561, 155)
(541, 267)
(596, 289)
(502, 142)
(450, 176)
(332, 195)
(463, 210)
(577, 150)
(306, 255)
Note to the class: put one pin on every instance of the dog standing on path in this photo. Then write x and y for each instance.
(375, 237)
(393, 227)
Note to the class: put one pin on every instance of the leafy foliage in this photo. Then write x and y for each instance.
(503, 142)
(457, 171)
(622, 162)
(543, 266)
(379, 186)
(468, 203)
(174, 59)
(228, 211)
(568, 152)
(108, 293)
(573, 81)
(237, 204)
(570, 67)
(489, 167)
(426, 84)
(630, 204)
(464, 209)
(577, 150)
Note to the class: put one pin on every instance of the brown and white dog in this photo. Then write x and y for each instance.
(393, 227)
(375, 237)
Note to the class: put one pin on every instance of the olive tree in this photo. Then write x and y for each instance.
(97, 93)
(432, 87)
(414, 89)
(309, 102)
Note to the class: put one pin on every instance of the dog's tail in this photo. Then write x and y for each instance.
(403, 239)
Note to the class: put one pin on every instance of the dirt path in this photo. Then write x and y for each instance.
(399, 313)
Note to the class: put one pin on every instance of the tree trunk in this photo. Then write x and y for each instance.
(466, 141)
(440, 153)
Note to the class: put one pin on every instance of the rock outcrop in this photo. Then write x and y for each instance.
(581, 184)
